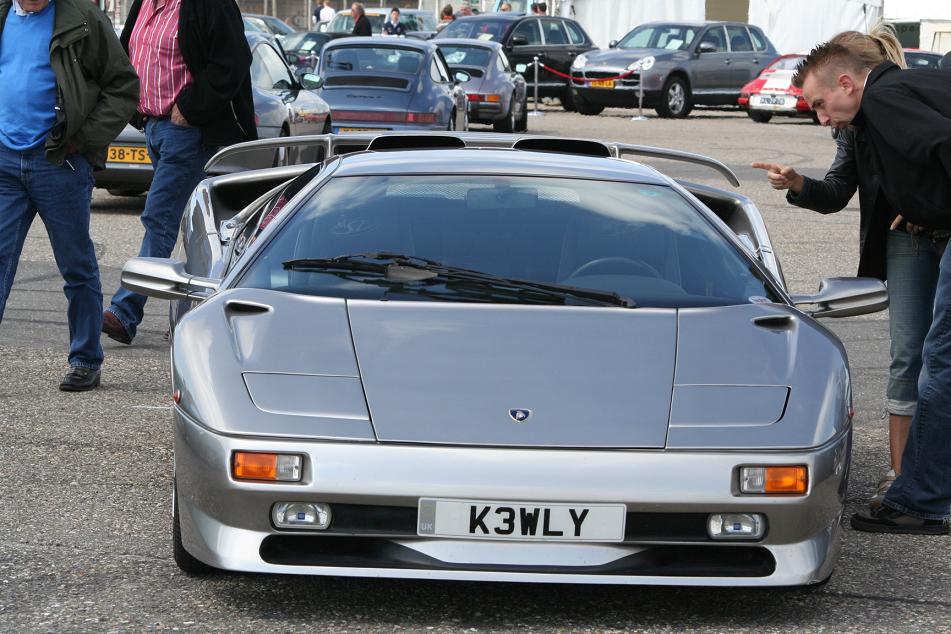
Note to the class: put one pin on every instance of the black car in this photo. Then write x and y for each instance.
(681, 64)
(555, 41)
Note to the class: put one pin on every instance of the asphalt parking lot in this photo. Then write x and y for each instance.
(85, 510)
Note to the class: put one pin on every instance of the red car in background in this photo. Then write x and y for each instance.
(772, 92)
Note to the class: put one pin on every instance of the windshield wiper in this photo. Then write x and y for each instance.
(397, 267)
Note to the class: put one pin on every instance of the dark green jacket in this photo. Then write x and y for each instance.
(97, 88)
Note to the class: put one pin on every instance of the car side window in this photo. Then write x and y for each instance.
(715, 36)
(554, 32)
(259, 74)
(739, 39)
(575, 36)
(502, 63)
(759, 42)
(276, 68)
(438, 71)
(529, 29)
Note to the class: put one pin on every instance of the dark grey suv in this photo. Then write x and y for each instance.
(681, 64)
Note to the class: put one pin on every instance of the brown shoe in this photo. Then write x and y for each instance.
(114, 328)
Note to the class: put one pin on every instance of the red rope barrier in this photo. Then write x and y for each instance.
(573, 78)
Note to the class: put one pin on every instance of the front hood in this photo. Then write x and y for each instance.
(779, 81)
(622, 58)
(453, 373)
(267, 363)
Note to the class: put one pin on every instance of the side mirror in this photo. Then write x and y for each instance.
(846, 297)
(461, 77)
(518, 40)
(310, 81)
(706, 47)
(612, 44)
(163, 278)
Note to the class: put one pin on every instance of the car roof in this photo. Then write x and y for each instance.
(697, 23)
(465, 41)
(382, 42)
(500, 162)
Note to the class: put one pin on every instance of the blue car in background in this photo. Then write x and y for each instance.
(377, 83)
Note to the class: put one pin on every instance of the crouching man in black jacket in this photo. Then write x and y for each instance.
(905, 117)
(193, 63)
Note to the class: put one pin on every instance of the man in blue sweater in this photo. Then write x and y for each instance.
(66, 90)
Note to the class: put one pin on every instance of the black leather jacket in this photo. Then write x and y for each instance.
(215, 50)
(852, 169)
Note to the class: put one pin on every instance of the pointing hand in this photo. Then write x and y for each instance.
(781, 176)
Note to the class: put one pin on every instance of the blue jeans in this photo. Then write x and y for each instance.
(179, 162)
(912, 275)
(31, 185)
(924, 487)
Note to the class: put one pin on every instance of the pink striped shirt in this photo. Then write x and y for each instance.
(154, 51)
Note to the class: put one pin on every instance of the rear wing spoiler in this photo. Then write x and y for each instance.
(329, 145)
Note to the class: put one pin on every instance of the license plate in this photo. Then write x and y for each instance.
(770, 100)
(524, 521)
(603, 83)
(359, 130)
(126, 154)
(773, 102)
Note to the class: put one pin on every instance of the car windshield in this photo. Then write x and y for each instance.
(250, 24)
(786, 63)
(675, 37)
(919, 60)
(642, 242)
(278, 26)
(418, 21)
(466, 55)
(373, 59)
(343, 23)
(493, 30)
(304, 41)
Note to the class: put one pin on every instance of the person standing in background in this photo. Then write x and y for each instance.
(68, 90)
(327, 13)
(194, 63)
(361, 23)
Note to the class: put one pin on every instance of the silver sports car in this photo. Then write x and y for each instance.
(496, 93)
(494, 357)
(388, 83)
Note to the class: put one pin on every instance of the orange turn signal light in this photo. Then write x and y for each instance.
(784, 479)
(255, 465)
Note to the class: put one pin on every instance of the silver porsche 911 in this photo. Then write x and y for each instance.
(498, 357)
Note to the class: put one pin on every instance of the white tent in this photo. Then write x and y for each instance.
(796, 27)
(607, 20)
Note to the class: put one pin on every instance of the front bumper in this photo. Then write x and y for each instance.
(375, 489)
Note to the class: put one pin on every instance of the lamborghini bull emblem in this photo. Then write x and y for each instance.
(520, 415)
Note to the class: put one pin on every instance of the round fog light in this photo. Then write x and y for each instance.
(308, 515)
(736, 526)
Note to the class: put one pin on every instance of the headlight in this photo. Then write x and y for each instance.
(579, 62)
(645, 63)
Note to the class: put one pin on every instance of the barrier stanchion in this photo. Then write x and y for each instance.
(535, 112)
(640, 93)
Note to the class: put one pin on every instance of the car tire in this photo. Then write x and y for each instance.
(585, 107)
(675, 99)
(185, 561)
(507, 123)
(760, 117)
(522, 123)
(126, 192)
(568, 100)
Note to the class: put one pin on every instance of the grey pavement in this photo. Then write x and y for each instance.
(84, 500)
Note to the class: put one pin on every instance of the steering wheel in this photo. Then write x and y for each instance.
(637, 267)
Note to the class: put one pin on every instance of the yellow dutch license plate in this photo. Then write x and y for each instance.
(359, 129)
(126, 154)
(603, 83)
